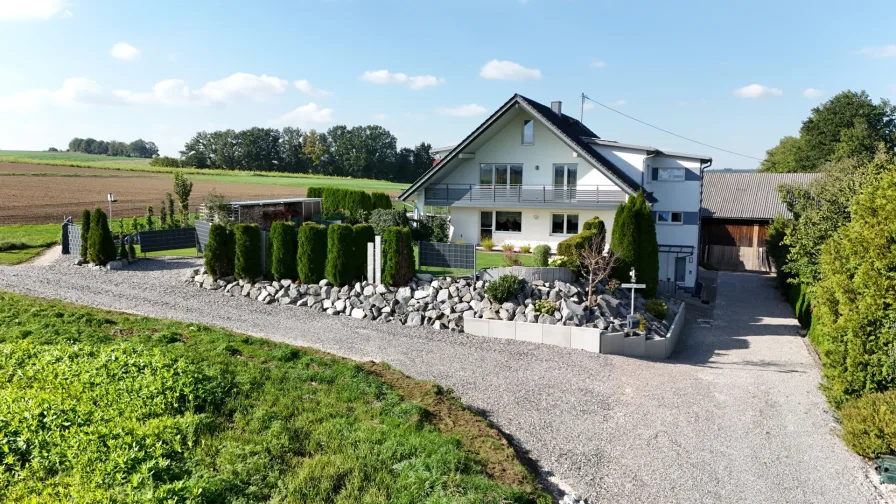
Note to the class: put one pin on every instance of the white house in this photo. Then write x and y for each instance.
(530, 174)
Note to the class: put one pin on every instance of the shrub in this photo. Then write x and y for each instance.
(563, 262)
(613, 286)
(382, 219)
(569, 246)
(642, 324)
(166, 161)
(132, 252)
(525, 249)
(398, 256)
(802, 304)
(432, 228)
(778, 249)
(363, 234)
(506, 247)
(869, 424)
(380, 200)
(100, 244)
(594, 224)
(311, 255)
(657, 308)
(85, 233)
(634, 243)
(122, 248)
(340, 268)
(247, 251)
(511, 258)
(487, 243)
(350, 201)
(315, 192)
(541, 255)
(283, 251)
(545, 307)
(150, 222)
(505, 288)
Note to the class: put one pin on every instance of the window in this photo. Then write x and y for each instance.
(669, 217)
(486, 174)
(564, 224)
(565, 175)
(670, 174)
(528, 132)
(485, 224)
(500, 174)
(508, 222)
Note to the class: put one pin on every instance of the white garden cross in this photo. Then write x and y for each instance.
(633, 286)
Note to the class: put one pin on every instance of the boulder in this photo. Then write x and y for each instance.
(437, 325)
(324, 283)
(339, 305)
(327, 304)
(415, 319)
(422, 293)
(443, 295)
(609, 304)
(358, 313)
(378, 300)
(286, 283)
(461, 307)
(546, 319)
(404, 295)
(369, 291)
(382, 289)
(426, 277)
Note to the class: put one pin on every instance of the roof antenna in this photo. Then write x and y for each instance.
(582, 113)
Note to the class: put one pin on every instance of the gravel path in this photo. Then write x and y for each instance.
(735, 417)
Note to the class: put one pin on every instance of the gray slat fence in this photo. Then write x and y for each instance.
(202, 229)
(447, 255)
(74, 239)
(167, 239)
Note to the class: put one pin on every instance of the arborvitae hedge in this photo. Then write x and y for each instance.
(647, 250)
(315, 192)
(623, 243)
(380, 200)
(398, 256)
(311, 255)
(363, 235)
(122, 247)
(247, 251)
(347, 200)
(101, 245)
(382, 219)
(341, 266)
(541, 255)
(283, 251)
(219, 252)
(85, 233)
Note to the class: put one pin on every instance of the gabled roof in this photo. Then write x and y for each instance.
(567, 128)
(747, 195)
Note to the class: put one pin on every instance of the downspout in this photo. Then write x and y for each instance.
(700, 221)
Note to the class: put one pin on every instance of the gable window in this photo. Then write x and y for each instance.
(500, 174)
(670, 174)
(528, 132)
(669, 217)
(564, 224)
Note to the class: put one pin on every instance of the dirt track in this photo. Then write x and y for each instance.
(45, 199)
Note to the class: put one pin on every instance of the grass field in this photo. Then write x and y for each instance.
(105, 407)
(19, 243)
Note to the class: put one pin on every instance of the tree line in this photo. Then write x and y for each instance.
(138, 148)
(359, 152)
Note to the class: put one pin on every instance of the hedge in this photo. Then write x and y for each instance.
(349, 201)
(869, 424)
(541, 255)
(398, 256)
(85, 233)
(363, 234)
(380, 200)
(247, 251)
(219, 251)
(314, 192)
(341, 264)
(311, 252)
(283, 251)
(634, 243)
(432, 228)
(569, 246)
(100, 244)
(799, 299)
(595, 224)
(382, 219)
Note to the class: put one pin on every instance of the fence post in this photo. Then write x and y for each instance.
(378, 259)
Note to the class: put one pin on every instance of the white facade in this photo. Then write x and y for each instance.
(674, 180)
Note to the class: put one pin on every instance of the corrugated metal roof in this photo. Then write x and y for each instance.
(747, 195)
(272, 201)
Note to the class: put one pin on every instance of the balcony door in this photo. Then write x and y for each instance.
(505, 180)
(565, 177)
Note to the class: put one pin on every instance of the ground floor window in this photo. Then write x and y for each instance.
(565, 224)
(485, 224)
(508, 221)
(669, 217)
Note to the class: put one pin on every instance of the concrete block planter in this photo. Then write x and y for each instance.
(502, 329)
(585, 338)
(478, 327)
(556, 335)
(612, 343)
(529, 332)
(633, 346)
(655, 348)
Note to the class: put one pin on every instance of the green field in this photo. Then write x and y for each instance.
(19, 243)
(105, 407)
(80, 160)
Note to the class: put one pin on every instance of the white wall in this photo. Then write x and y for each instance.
(535, 225)
(631, 161)
(675, 195)
(506, 147)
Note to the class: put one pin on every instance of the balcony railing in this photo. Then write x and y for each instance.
(523, 195)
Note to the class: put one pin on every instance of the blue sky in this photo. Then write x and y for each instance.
(731, 74)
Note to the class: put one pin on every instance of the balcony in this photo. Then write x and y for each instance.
(523, 196)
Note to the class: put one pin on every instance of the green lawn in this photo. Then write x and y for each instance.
(78, 159)
(21, 242)
(483, 260)
(100, 406)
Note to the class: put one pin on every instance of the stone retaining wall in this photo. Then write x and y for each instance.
(531, 274)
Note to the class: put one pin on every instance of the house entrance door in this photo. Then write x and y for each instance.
(681, 266)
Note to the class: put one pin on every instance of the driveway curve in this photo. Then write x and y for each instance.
(734, 416)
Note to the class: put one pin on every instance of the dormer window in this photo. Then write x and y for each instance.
(528, 132)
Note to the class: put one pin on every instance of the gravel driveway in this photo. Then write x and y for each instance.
(735, 416)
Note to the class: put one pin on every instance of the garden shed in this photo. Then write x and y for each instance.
(264, 212)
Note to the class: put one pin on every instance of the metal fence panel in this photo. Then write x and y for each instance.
(74, 239)
(447, 255)
(531, 273)
(167, 239)
(202, 229)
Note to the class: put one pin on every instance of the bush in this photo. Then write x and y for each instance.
(802, 304)
(778, 249)
(869, 424)
(122, 247)
(350, 201)
(595, 224)
(380, 200)
(511, 258)
(363, 234)
(247, 251)
(541, 255)
(166, 161)
(100, 244)
(432, 228)
(507, 247)
(315, 192)
(505, 288)
(525, 249)
(382, 219)
(311, 255)
(340, 268)
(487, 243)
(613, 286)
(657, 308)
(569, 246)
(85, 233)
(132, 252)
(398, 256)
(634, 243)
(545, 307)
(283, 251)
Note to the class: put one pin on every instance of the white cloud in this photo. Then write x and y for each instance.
(757, 91)
(470, 110)
(380, 117)
(414, 82)
(6, 74)
(812, 93)
(255, 87)
(306, 87)
(75, 92)
(26, 10)
(597, 64)
(588, 106)
(887, 51)
(508, 70)
(617, 103)
(124, 51)
(305, 115)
